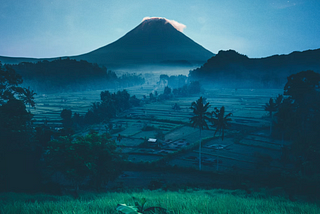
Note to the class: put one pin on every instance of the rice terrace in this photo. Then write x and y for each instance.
(246, 105)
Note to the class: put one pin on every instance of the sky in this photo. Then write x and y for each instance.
(256, 28)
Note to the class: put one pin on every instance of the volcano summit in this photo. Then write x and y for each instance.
(153, 41)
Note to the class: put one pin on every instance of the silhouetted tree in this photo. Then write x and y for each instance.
(28, 97)
(298, 119)
(9, 83)
(271, 107)
(18, 151)
(164, 79)
(134, 101)
(66, 115)
(151, 97)
(167, 92)
(92, 156)
(194, 87)
(220, 121)
(200, 118)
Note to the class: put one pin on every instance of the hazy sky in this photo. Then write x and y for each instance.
(257, 28)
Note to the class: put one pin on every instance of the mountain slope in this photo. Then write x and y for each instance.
(153, 41)
(232, 68)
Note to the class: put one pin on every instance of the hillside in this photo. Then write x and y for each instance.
(151, 42)
(71, 75)
(237, 70)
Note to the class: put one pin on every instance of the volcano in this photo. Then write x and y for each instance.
(153, 41)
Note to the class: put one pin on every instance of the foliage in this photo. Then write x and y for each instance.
(9, 83)
(18, 150)
(302, 85)
(123, 208)
(176, 107)
(188, 89)
(298, 119)
(160, 135)
(128, 80)
(177, 81)
(270, 107)
(200, 118)
(200, 114)
(167, 93)
(273, 106)
(27, 95)
(263, 161)
(164, 79)
(194, 87)
(152, 97)
(93, 156)
(111, 104)
(147, 127)
(139, 207)
(66, 115)
(220, 120)
(134, 101)
(14, 119)
(231, 69)
(66, 74)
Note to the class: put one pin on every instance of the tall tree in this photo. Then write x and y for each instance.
(298, 118)
(9, 83)
(17, 149)
(66, 115)
(92, 155)
(270, 107)
(221, 122)
(28, 97)
(200, 118)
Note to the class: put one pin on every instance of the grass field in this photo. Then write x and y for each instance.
(183, 202)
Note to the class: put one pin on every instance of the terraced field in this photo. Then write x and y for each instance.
(232, 154)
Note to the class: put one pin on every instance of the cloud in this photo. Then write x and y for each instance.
(179, 26)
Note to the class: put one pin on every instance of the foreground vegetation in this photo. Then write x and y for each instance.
(189, 201)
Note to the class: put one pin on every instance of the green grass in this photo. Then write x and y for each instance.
(183, 202)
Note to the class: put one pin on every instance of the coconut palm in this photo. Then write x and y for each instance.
(200, 118)
(271, 107)
(28, 97)
(220, 121)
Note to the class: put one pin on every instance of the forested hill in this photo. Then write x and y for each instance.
(230, 68)
(67, 75)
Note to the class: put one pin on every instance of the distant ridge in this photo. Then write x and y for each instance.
(270, 71)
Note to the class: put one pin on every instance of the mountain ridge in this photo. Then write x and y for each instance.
(241, 70)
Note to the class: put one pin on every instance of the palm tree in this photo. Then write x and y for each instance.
(28, 97)
(221, 123)
(200, 118)
(271, 107)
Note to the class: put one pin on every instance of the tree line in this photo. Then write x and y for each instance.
(31, 156)
(72, 75)
(296, 118)
(110, 106)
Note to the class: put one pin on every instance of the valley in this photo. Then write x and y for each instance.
(246, 149)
